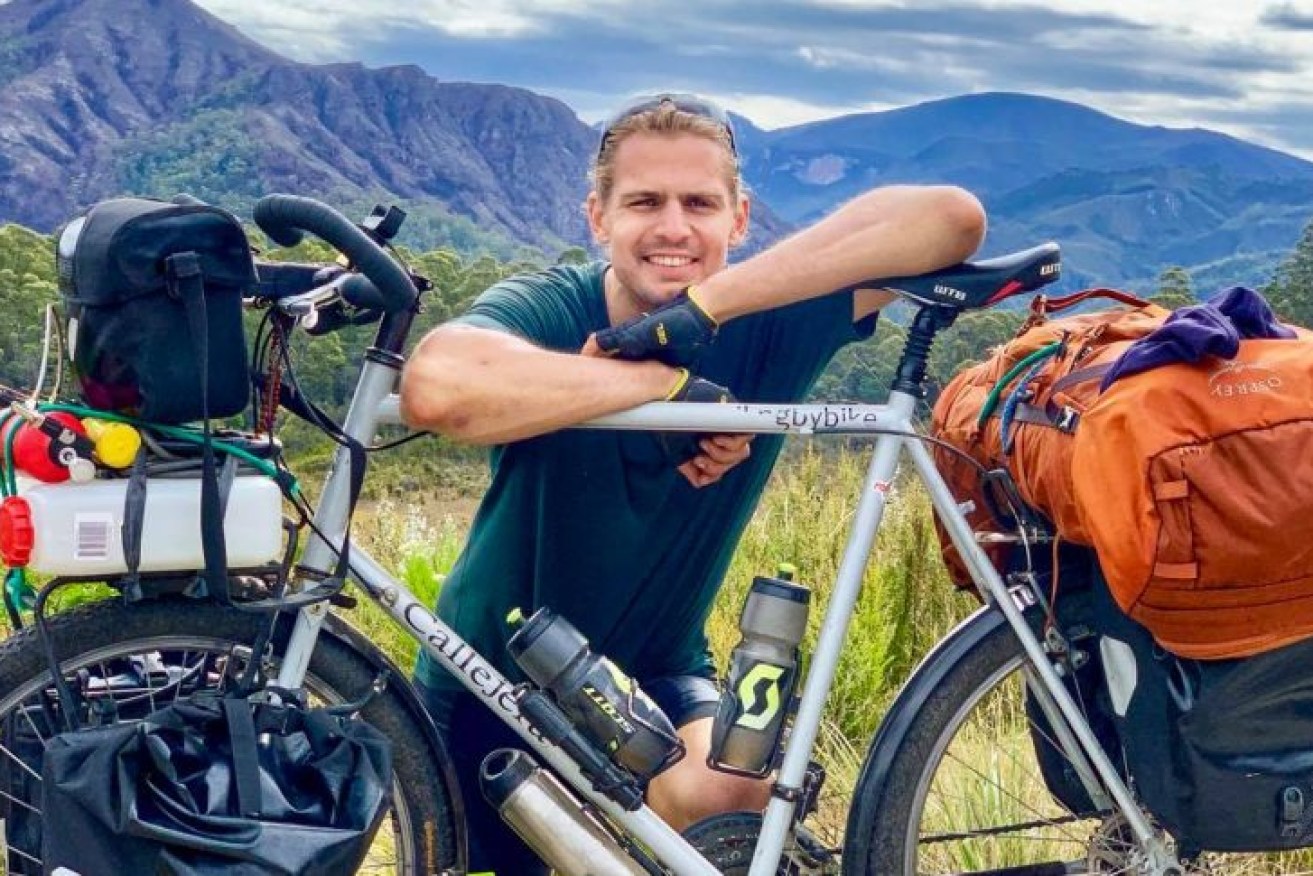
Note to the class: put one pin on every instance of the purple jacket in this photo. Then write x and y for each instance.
(1214, 328)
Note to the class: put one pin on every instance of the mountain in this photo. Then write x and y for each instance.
(1125, 200)
(103, 97)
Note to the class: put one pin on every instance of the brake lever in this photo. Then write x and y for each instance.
(307, 304)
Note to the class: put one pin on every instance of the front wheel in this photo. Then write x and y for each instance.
(128, 660)
(953, 784)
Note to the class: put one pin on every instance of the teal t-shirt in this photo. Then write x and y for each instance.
(598, 525)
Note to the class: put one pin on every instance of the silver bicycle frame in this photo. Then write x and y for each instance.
(375, 404)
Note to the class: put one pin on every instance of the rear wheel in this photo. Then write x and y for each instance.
(962, 791)
(126, 661)
(958, 787)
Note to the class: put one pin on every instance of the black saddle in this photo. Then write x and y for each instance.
(975, 285)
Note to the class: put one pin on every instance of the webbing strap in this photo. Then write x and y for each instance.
(1081, 375)
(134, 520)
(1171, 491)
(1176, 571)
(1028, 413)
(246, 757)
(182, 272)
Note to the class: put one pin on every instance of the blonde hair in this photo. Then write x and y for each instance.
(666, 120)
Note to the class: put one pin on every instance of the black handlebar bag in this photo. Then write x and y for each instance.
(216, 785)
(131, 335)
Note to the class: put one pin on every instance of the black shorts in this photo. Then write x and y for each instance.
(683, 698)
(471, 731)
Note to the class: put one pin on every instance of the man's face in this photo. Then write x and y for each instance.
(670, 219)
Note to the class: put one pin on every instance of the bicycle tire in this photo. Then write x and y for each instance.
(952, 784)
(421, 835)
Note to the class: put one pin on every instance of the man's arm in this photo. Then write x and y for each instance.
(889, 232)
(488, 387)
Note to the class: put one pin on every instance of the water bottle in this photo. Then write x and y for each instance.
(763, 672)
(606, 705)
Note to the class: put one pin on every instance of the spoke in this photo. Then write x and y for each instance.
(18, 760)
(27, 716)
(14, 850)
(201, 671)
(1002, 829)
(12, 799)
(1008, 794)
(150, 692)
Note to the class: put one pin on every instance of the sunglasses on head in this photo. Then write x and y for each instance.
(685, 103)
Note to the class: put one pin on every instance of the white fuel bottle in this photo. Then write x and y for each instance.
(78, 528)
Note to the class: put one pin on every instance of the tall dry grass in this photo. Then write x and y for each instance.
(906, 603)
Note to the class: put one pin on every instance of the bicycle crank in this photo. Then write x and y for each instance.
(728, 840)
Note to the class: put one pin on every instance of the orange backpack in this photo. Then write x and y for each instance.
(1194, 483)
(1032, 393)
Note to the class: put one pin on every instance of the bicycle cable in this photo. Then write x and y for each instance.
(1023, 537)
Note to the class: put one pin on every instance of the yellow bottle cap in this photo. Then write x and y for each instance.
(116, 443)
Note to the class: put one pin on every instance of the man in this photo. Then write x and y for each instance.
(627, 535)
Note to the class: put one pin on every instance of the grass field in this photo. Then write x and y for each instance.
(906, 605)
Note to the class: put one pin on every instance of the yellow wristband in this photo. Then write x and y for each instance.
(684, 375)
(688, 293)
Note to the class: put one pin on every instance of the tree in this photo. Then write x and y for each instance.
(972, 339)
(863, 372)
(1291, 290)
(575, 255)
(1175, 288)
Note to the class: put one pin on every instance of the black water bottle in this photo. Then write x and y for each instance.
(763, 672)
(606, 705)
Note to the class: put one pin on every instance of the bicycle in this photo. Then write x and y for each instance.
(164, 647)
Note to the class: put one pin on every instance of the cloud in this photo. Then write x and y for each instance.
(1283, 122)
(839, 57)
(829, 55)
(1287, 17)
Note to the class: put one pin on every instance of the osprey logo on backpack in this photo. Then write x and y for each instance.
(1234, 379)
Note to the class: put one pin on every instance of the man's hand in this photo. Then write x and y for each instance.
(719, 453)
(674, 333)
(703, 459)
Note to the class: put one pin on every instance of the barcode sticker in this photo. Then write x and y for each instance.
(91, 534)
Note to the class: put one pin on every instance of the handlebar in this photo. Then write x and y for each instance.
(280, 281)
(285, 218)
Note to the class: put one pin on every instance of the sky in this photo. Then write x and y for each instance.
(1244, 67)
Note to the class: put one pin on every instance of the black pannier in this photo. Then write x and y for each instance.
(215, 785)
(132, 332)
(1220, 752)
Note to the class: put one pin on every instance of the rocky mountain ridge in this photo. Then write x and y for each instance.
(103, 97)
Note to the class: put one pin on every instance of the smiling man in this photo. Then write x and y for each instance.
(627, 535)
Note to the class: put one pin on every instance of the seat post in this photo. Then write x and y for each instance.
(929, 321)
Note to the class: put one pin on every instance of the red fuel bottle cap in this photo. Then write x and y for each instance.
(17, 534)
(33, 454)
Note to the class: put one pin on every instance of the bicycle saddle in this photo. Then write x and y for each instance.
(973, 285)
